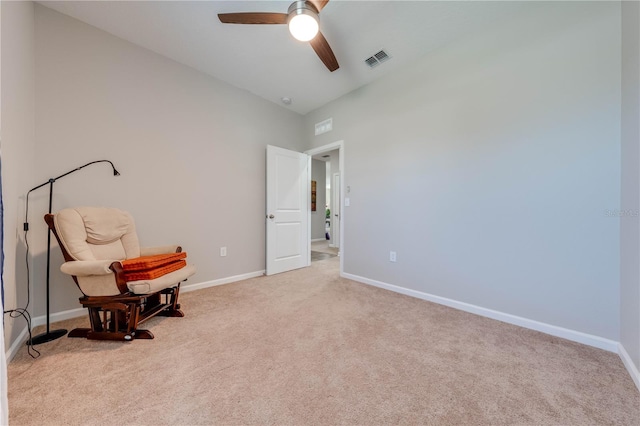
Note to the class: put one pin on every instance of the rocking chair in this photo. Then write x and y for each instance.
(98, 244)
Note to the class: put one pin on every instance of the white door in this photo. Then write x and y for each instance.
(336, 211)
(288, 186)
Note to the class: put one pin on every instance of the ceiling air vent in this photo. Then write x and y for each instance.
(377, 59)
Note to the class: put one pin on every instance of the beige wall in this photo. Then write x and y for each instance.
(18, 149)
(488, 167)
(191, 149)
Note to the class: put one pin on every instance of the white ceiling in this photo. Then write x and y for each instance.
(267, 61)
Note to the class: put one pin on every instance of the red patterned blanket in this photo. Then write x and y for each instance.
(152, 267)
(148, 262)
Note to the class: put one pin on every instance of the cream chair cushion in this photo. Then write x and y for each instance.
(96, 233)
(97, 236)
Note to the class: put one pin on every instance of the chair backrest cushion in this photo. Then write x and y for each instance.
(97, 233)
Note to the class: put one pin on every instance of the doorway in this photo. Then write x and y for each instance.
(326, 224)
(324, 214)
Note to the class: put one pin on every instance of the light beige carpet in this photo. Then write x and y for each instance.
(310, 348)
(323, 247)
(316, 256)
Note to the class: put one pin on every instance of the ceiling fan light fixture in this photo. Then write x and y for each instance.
(303, 21)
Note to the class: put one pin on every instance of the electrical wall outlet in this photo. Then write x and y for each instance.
(392, 256)
(223, 251)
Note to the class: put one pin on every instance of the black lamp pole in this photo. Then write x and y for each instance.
(50, 335)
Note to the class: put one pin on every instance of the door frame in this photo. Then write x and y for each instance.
(336, 212)
(339, 145)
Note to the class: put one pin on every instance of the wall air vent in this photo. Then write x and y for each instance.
(324, 126)
(377, 59)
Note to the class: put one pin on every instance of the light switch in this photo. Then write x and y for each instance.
(347, 202)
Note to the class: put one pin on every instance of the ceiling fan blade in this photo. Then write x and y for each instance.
(324, 52)
(253, 18)
(319, 4)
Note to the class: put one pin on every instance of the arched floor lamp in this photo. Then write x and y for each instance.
(50, 335)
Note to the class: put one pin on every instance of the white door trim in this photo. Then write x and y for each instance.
(336, 209)
(339, 145)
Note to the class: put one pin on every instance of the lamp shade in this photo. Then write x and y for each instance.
(303, 22)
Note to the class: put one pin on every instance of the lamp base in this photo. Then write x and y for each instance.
(47, 337)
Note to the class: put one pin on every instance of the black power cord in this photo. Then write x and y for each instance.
(23, 312)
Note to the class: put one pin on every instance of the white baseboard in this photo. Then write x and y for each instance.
(58, 316)
(37, 321)
(576, 336)
(78, 312)
(319, 239)
(221, 281)
(13, 349)
(631, 367)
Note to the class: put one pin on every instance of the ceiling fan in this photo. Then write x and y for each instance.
(303, 20)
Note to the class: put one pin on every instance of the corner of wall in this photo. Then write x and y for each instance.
(630, 190)
(629, 365)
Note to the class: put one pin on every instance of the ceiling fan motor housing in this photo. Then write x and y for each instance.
(302, 7)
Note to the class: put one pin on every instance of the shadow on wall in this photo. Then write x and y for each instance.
(64, 293)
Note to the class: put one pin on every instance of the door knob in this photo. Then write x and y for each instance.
(271, 216)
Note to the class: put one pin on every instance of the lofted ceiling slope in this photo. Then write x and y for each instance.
(268, 62)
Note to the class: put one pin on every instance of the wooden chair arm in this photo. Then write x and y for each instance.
(117, 269)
